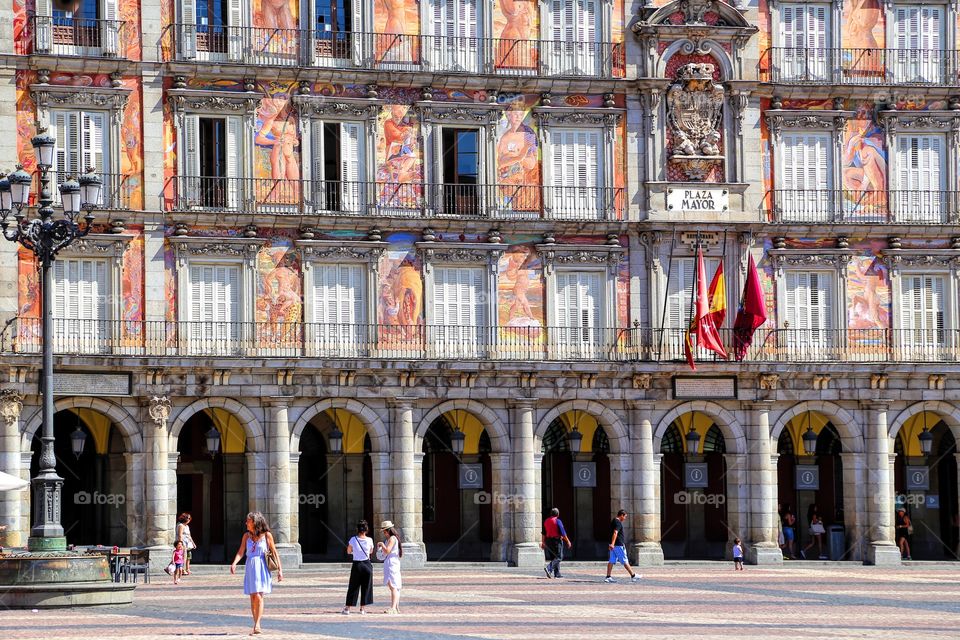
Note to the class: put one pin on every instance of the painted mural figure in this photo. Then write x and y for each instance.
(864, 162)
(518, 163)
(395, 11)
(515, 36)
(279, 132)
(277, 14)
(399, 171)
(520, 313)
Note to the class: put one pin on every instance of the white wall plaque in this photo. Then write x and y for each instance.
(695, 387)
(75, 383)
(697, 199)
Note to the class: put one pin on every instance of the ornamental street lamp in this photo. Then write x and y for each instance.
(77, 441)
(925, 438)
(693, 441)
(457, 440)
(45, 236)
(213, 441)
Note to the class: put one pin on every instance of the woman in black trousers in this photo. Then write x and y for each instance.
(361, 573)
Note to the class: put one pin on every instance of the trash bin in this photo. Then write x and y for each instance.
(838, 542)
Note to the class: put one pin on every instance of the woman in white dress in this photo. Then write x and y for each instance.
(390, 551)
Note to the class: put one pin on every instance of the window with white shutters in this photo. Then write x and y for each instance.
(213, 308)
(922, 315)
(918, 40)
(579, 311)
(806, 177)
(680, 287)
(572, 47)
(81, 304)
(339, 166)
(805, 42)
(211, 162)
(455, 44)
(339, 307)
(920, 163)
(81, 143)
(808, 319)
(577, 172)
(458, 310)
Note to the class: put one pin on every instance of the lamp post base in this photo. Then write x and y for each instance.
(54, 580)
(37, 544)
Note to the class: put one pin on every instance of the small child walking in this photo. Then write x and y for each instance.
(737, 555)
(179, 555)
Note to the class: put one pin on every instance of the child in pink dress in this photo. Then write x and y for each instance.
(179, 553)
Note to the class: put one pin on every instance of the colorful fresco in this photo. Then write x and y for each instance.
(396, 16)
(276, 14)
(868, 292)
(279, 295)
(276, 147)
(26, 121)
(400, 290)
(520, 296)
(518, 156)
(516, 25)
(399, 157)
(863, 25)
(131, 278)
(864, 164)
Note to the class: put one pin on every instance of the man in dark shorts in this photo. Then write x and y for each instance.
(618, 548)
(552, 538)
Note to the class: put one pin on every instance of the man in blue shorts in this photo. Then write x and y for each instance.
(618, 548)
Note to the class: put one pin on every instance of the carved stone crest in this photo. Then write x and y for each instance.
(11, 404)
(159, 410)
(694, 104)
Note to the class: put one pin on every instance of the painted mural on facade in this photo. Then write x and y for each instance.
(400, 290)
(276, 155)
(520, 307)
(516, 24)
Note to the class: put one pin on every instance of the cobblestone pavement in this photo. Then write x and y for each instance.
(461, 601)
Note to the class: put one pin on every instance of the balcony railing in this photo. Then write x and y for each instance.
(871, 67)
(846, 206)
(116, 194)
(71, 36)
(435, 342)
(392, 52)
(394, 199)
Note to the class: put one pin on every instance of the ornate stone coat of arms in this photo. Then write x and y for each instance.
(694, 111)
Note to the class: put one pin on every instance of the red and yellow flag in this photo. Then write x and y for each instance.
(718, 297)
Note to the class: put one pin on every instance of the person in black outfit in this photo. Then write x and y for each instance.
(361, 571)
(618, 548)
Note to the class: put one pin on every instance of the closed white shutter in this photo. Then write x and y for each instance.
(235, 25)
(108, 28)
(577, 172)
(338, 308)
(806, 177)
(214, 307)
(66, 129)
(920, 165)
(573, 37)
(44, 33)
(809, 311)
(578, 312)
(187, 34)
(922, 319)
(81, 295)
(458, 310)
(455, 33)
(234, 127)
(94, 144)
(918, 37)
(352, 163)
(804, 34)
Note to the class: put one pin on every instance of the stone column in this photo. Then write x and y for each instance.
(646, 549)
(526, 527)
(502, 517)
(407, 502)
(11, 404)
(278, 480)
(881, 548)
(736, 496)
(380, 477)
(132, 476)
(762, 547)
(158, 521)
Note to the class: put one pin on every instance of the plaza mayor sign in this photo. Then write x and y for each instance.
(697, 199)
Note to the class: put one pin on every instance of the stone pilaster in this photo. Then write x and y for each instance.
(646, 549)
(881, 548)
(737, 498)
(502, 516)
(526, 527)
(762, 547)
(278, 480)
(11, 404)
(406, 491)
(159, 519)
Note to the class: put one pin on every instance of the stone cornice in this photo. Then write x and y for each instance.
(926, 259)
(340, 250)
(99, 244)
(812, 257)
(938, 120)
(608, 256)
(47, 96)
(235, 102)
(187, 247)
(310, 106)
(826, 120)
(477, 253)
(465, 112)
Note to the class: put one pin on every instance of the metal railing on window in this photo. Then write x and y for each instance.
(810, 65)
(73, 36)
(116, 194)
(850, 206)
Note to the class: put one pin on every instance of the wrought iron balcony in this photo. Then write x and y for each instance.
(436, 342)
(844, 206)
(392, 52)
(116, 194)
(393, 199)
(871, 67)
(73, 37)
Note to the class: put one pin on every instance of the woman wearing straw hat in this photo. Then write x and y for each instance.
(390, 551)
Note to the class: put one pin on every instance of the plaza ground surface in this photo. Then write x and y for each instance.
(703, 600)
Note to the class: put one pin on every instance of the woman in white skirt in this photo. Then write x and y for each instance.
(390, 551)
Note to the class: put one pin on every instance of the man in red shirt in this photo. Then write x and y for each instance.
(551, 541)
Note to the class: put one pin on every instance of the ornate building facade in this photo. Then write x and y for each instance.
(432, 261)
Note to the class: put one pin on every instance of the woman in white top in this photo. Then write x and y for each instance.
(390, 551)
(361, 573)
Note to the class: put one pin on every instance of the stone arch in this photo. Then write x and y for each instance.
(851, 434)
(128, 426)
(379, 438)
(251, 426)
(612, 424)
(496, 430)
(733, 435)
(947, 412)
(729, 15)
(711, 48)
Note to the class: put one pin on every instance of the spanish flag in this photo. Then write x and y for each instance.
(702, 327)
(718, 298)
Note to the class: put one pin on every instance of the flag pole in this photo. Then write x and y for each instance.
(666, 289)
(723, 264)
